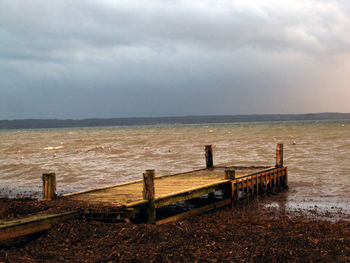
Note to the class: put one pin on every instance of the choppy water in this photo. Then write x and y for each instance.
(318, 164)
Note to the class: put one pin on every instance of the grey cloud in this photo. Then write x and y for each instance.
(155, 23)
(142, 58)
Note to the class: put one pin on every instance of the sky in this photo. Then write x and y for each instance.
(142, 58)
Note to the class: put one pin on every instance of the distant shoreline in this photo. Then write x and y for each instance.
(135, 121)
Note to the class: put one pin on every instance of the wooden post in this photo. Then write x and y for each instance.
(279, 175)
(148, 194)
(233, 193)
(242, 189)
(209, 156)
(230, 174)
(49, 186)
(285, 177)
(279, 155)
(248, 190)
(237, 193)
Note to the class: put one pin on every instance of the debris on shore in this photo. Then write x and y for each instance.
(261, 233)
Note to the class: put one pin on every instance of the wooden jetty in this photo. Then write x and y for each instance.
(140, 200)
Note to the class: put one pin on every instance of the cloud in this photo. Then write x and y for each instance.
(170, 53)
(55, 26)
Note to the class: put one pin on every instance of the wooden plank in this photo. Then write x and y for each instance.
(261, 183)
(280, 172)
(286, 176)
(129, 183)
(228, 191)
(130, 194)
(272, 187)
(255, 172)
(23, 230)
(182, 173)
(189, 194)
(101, 188)
(235, 185)
(136, 203)
(34, 224)
(237, 192)
(205, 174)
(242, 188)
(248, 186)
(194, 212)
(255, 189)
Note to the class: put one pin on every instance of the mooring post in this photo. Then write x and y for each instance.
(230, 174)
(49, 186)
(279, 155)
(209, 156)
(148, 194)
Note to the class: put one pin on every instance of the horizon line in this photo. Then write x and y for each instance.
(173, 116)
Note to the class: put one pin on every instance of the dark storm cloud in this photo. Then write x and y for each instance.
(141, 58)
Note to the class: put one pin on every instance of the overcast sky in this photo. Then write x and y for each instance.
(108, 58)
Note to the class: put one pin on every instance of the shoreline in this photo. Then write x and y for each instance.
(256, 233)
(287, 200)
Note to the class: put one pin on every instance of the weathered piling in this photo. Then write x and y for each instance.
(279, 155)
(230, 174)
(149, 194)
(49, 186)
(209, 156)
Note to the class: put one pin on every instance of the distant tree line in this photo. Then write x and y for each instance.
(70, 123)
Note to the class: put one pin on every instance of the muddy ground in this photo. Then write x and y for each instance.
(252, 233)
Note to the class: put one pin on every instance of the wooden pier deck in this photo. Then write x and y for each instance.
(165, 186)
(140, 200)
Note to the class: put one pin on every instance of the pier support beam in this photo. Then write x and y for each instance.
(149, 194)
(279, 155)
(209, 156)
(49, 186)
(230, 174)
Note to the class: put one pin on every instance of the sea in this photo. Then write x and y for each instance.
(317, 154)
